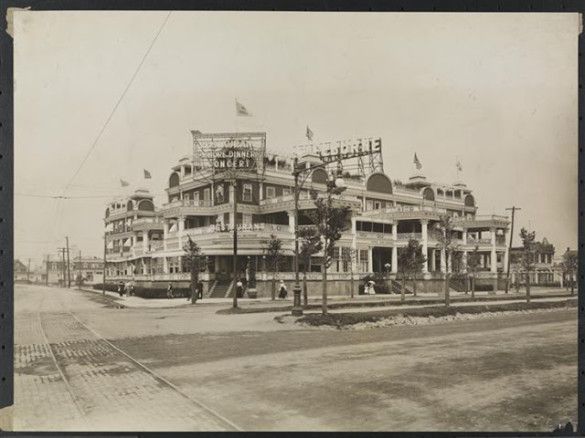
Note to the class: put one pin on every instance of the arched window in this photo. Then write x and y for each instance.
(174, 179)
(319, 176)
(469, 201)
(130, 205)
(378, 182)
(428, 194)
(146, 205)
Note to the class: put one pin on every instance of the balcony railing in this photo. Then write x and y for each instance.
(188, 203)
(261, 227)
(409, 236)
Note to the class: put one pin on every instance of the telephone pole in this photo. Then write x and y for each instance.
(47, 268)
(79, 276)
(28, 271)
(513, 209)
(105, 266)
(63, 265)
(68, 264)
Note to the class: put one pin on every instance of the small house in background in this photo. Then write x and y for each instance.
(545, 272)
(20, 272)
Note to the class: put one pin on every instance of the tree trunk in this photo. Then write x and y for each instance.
(324, 298)
(305, 295)
(351, 284)
(446, 290)
(467, 283)
(527, 287)
(473, 287)
(273, 289)
(414, 285)
(194, 281)
(572, 285)
(403, 288)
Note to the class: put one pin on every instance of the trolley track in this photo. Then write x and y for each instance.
(101, 378)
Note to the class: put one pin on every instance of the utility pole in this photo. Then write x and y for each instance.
(79, 272)
(68, 264)
(513, 209)
(104, 268)
(47, 269)
(63, 264)
(28, 272)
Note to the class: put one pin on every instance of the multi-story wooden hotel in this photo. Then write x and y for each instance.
(145, 243)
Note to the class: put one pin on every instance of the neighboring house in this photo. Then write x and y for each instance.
(545, 272)
(20, 271)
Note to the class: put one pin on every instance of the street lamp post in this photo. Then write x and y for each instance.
(297, 309)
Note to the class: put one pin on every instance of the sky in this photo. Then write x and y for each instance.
(497, 92)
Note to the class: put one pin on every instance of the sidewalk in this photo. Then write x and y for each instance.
(360, 301)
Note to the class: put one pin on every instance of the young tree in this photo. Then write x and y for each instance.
(570, 265)
(310, 244)
(447, 244)
(411, 260)
(473, 260)
(274, 254)
(528, 258)
(193, 260)
(330, 222)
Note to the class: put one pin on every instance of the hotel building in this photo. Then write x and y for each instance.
(145, 243)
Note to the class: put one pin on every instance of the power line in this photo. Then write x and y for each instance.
(94, 144)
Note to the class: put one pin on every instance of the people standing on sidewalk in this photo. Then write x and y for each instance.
(283, 292)
(240, 288)
(199, 290)
(170, 291)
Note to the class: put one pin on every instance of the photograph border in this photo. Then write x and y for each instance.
(7, 142)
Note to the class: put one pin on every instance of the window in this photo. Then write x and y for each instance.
(363, 260)
(285, 191)
(377, 205)
(369, 205)
(196, 196)
(206, 194)
(247, 193)
(270, 192)
(186, 196)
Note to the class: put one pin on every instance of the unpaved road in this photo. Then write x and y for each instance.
(81, 365)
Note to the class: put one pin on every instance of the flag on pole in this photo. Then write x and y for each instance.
(241, 110)
(459, 166)
(124, 183)
(309, 134)
(417, 162)
(147, 174)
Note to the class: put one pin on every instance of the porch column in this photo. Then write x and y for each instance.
(443, 261)
(424, 223)
(291, 221)
(181, 228)
(493, 257)
(370, 260)
(261, 189)
(464, 261)
(165, 265)
(145, 240)
(165, 233)
(450, 262)
(394, 259)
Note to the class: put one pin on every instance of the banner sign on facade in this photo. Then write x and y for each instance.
(230, 151)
